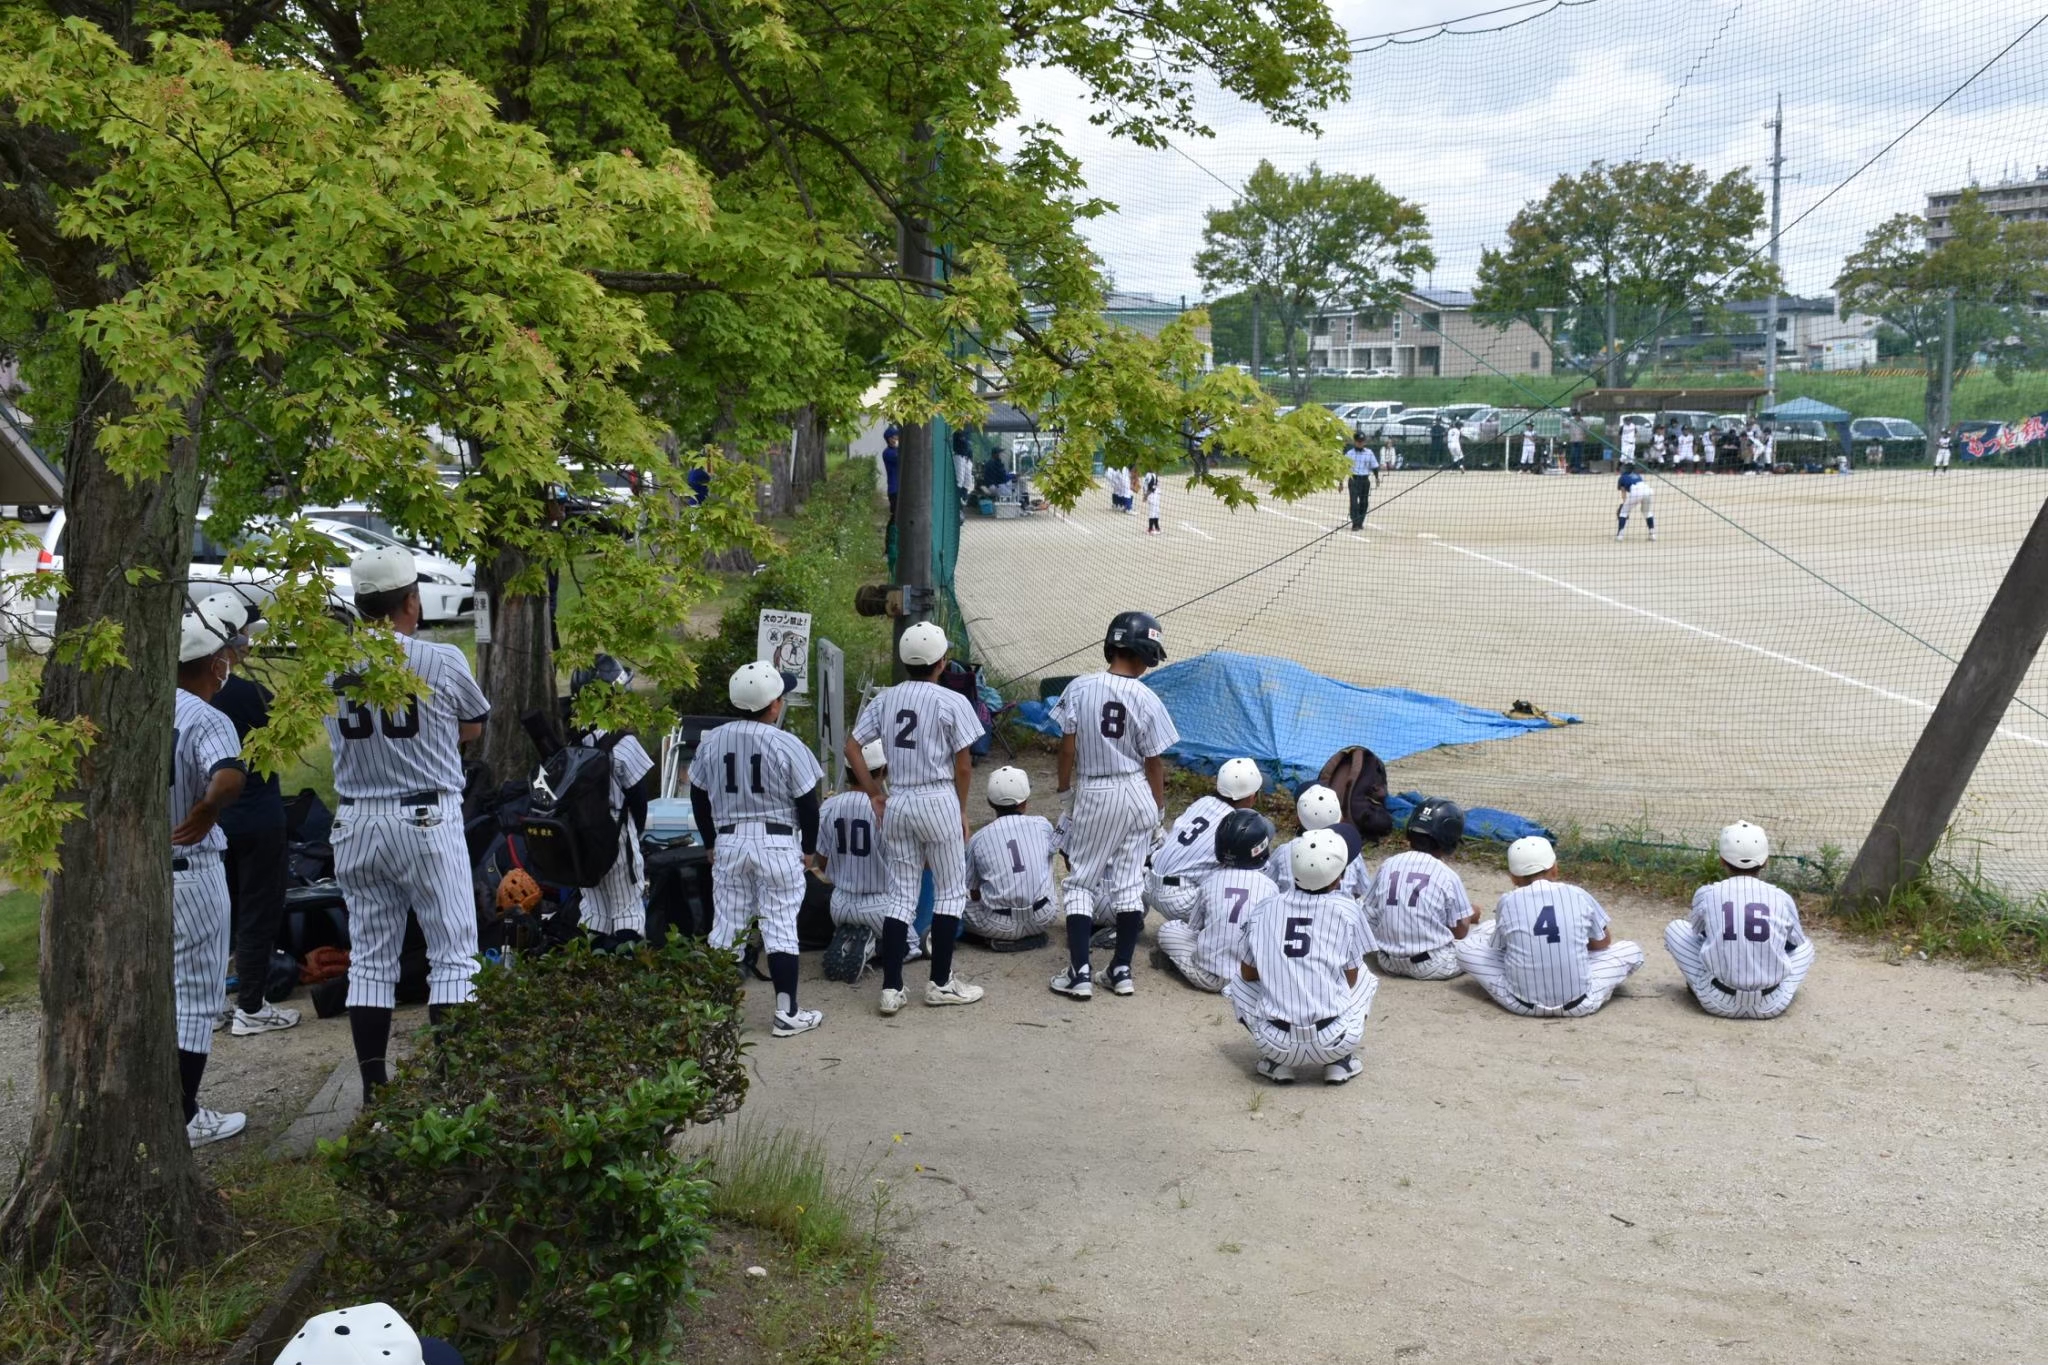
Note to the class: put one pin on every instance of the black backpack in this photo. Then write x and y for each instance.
(1360, 781)
(572, 833)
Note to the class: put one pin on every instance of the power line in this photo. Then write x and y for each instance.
(1443, 29)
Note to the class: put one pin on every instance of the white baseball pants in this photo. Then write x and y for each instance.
(1174, 902)
(756, 875)
(867, 909)
(390, 857)
(619, 902)
(923, 830)
(1682, 941)
(1307, 1042)
(199, 946)
(1605, 971)
(1010, 921)
(1438, 965)
(1108, 837)
(1177, 940)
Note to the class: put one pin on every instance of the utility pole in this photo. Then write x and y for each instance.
(1258, 352)
(914, 478)
(1777, 127)
(1948, 357)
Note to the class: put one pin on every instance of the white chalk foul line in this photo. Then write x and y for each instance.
(1705, 634)
(1189, 525)
(1286, 517)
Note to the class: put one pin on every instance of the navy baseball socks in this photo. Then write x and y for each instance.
(945, 934)
(191, 1070)
(1080, 929)
(895, 945)
(370, 1027)
(782, 969)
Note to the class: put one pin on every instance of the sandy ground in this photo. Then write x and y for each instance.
(1714, 675)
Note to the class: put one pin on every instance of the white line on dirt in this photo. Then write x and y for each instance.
(1288, 517)
(1197, 530)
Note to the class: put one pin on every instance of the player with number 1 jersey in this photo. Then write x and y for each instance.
(1010, 895)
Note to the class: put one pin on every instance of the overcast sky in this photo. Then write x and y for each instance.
(1473, 126)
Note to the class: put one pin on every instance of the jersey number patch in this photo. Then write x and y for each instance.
(906, 732)
(854, 837)
(361, 720)
(1115, 719)
(1756, 922)
(1194, 830)
(1546, 924)
(732, 776)
(1296, 941)
(1237, 896)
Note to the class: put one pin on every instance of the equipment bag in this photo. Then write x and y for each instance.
(1360, 781)
(572, 832)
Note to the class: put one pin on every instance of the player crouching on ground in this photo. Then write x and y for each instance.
(1010, 898)
(1204, 946)
(1302, 990)
(1418, 908)
(850, 855)
(1318, 808)
(1547, 951)
(1178, 866)
(1742, 950)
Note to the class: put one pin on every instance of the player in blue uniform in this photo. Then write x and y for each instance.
(1635, 492)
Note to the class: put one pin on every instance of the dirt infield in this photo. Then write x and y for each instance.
(1714, 675)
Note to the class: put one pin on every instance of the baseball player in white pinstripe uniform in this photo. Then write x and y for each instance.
(1742, 950)
(1318, 808)
(397, 837)
(1174, 875)
(926, 730)
(206, 777)
(850, 854)
(1010, 895)
(1418, 907)
(617, 905)
(1204, 946)
(1302, 989)
(1115, 732)
(1547, 950)
(754, 792)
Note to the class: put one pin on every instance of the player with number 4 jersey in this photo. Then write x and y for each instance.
(1204, 947)
(1742, 950)
(1547, 950)
(1176, 869)
(1010, 894)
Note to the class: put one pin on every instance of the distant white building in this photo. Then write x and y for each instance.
(1807, 323)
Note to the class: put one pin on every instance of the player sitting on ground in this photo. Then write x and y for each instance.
(1419, 908)
(1302, 990)
(1547, 950)
(1189, 853)
(850, 856)
(1318, 808)
(1010, 898)
(1204, 946)
(1743, 950)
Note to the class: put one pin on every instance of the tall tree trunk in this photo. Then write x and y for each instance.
(778, 490)
(517, 668)
(108, 1175)
(809, 466)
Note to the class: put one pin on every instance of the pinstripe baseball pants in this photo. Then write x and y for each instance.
(199, 946)
(1438, 965)
(1108, 836)
(619, 901)
(1177, 939)
(922, 830)
(1172, 902)
(1006, 922)
(1605, 971)
(1682, 941)
(866, 908)
(755, 874)
(389, 857)
(1303, 1043)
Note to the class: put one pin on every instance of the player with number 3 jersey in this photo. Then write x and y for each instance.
(1547, 950)
(1010, 895)
(1742, 950)
(1177, 866)
(1203, 947)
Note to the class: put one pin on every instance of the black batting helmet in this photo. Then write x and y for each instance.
(1441, 822)
(1138, 632)
(1244, 839)
(604, 669)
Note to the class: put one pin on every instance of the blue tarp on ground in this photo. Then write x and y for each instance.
(1290, 719)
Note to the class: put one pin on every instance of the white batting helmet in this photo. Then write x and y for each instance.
(1530, 855)
(923, 645)
(367, 1333)
(1239, 778)
(1009, 787)
(754, 686)
(1318, 808)
(874, 755)
(1745, 845)
(1319, 858)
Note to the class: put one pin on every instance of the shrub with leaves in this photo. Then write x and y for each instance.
(532, 1208)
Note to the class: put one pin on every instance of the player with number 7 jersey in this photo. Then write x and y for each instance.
(1204, 948)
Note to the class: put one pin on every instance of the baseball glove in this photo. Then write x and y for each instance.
(518, 891)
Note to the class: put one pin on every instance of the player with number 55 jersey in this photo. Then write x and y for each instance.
(1547, 951)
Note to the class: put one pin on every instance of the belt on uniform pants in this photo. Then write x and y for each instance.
(185, 865)
(409, 799)
(1318, 1026)
(1169, 881)
(768, 825)
(1036, 906)
(1724, 987)
(1567, 1006)
(1419, 958)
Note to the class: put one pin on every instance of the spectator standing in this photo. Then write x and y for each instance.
(1364, 465)
(1575, 434)
(892, 467)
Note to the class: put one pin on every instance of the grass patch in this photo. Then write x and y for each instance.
(1953, 910)
(20, 943)
(783, 1182)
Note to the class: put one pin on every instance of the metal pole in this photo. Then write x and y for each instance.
(1258, 351)
(1948, 359)
(914, 479)
(1777, 127)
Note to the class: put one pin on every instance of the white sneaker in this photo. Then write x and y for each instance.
(208, 1126)
(1336, 1073)
(1653, 535)
(1080, 985)
(1120, 981)
(1619, 534)
(266, 1020)
(1276, 1072)
(221, 1020)
(954, 992)
(893, 1000)
(803, 1021)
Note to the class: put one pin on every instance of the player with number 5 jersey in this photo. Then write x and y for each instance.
(1742, 950)
(1112, 776)
(1010, 895)
(1547, 951)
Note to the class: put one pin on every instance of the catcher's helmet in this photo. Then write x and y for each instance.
(1441, 822)
(604, 669)
(1244, 839)
(1138, 632)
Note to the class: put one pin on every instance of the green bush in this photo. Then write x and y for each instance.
(532, 1208)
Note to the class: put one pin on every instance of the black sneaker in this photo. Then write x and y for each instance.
(846, 957)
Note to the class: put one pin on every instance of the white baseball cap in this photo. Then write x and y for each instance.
(756, 684)
(1530, 855)
(1318, 808)
(368, 1334)
(207, 629)
(384, 569)
(1318, 859)
(872, 754)
(923, 645)
(1745, 845)
(1238, 778)
(231, 609)
(1009, 787)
